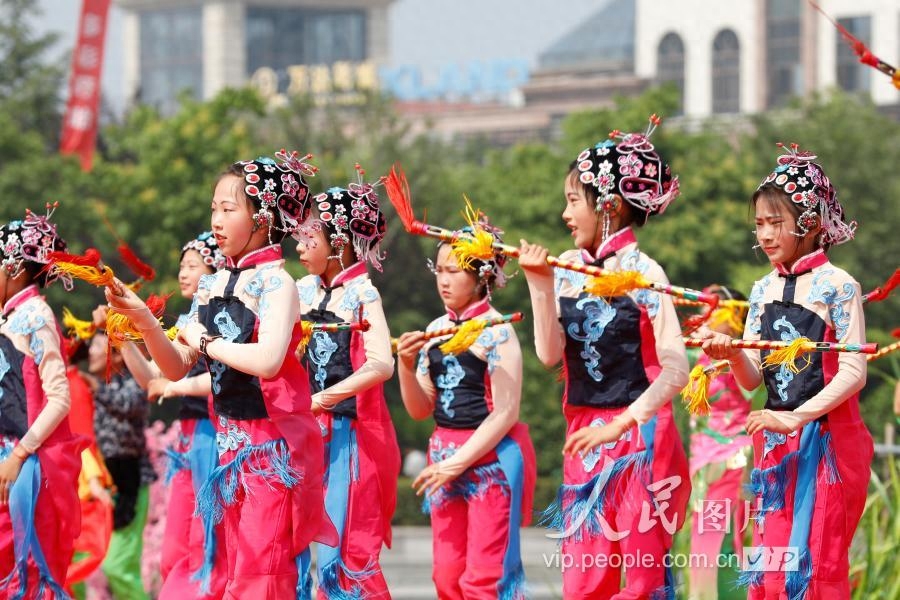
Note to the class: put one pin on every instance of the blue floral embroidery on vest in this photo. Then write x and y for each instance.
(206, 282)
(823, 291)
(784, 376)
(229, 330)
(448, 381)
(25, 322)
(325, 348)
(597, 315)
(590, 459)
(232, 438)
(490, 344)
(756, 304)
(422, 363)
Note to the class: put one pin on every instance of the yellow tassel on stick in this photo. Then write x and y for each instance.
(172, 332)
(466, 336)
(83, 330)
(120, 329)
(695, 394)
(306, 331)
(616, 283)
(788, 355)
(92, 275)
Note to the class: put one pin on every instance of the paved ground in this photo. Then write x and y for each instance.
(407, 566)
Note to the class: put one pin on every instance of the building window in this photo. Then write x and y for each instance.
(852, 75)
(670, 64)
(784, 68)
(171, 56)
(726, 73)
(279, 38)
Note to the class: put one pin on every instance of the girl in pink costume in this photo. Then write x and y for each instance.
(346, 371)
(267, 488)
(625, 477)
(481, 473)
(40, 459)
(811, 449)
(194, 456)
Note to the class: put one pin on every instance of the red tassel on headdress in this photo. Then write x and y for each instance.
(137, 266)
(398, 193)
(884, 290)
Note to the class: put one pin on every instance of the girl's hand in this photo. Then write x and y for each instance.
(764, 419)
(433, 477)
(190, 335)
(716, 345)
(408, 346)
(587, 438)
(9, 472)
(98, 317)
(120, 297)
(533, 260)
(156, 389)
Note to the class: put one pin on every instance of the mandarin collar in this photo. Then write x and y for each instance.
(20, 298)
(804, 264)
(471, 311)
(351, 272)
(256, 257)
(610, 246)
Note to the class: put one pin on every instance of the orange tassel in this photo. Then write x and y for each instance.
(616, 283)
(306, 331)
(121, 329)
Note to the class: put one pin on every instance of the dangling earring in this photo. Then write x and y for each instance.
(607, 206)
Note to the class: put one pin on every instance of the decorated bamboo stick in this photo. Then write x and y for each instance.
(723, 303)
(476, 327)
(308, 328)
(806, 345)
(885, 350)
(398, 194)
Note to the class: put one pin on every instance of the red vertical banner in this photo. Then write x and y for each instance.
(79, 133)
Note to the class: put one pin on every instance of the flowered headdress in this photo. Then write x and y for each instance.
(628, 165)
(353, 217)
(32, 240)
(276, 187)
(205, 244)
(808, 187)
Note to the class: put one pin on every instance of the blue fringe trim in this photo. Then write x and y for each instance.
(575, 501)
(663, 592)
(512, 586)
(772, 483)
(832, 475)
(797, 582)
(749, 578)
(330, 584)
(304, 577)
(270, 460)
(473, 483)
(178, 461)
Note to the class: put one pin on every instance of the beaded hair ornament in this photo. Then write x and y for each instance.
(32, 240)
(627, 165)
(278, 185)
(807, 186)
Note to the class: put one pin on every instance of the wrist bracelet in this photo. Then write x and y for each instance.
(204, 342)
